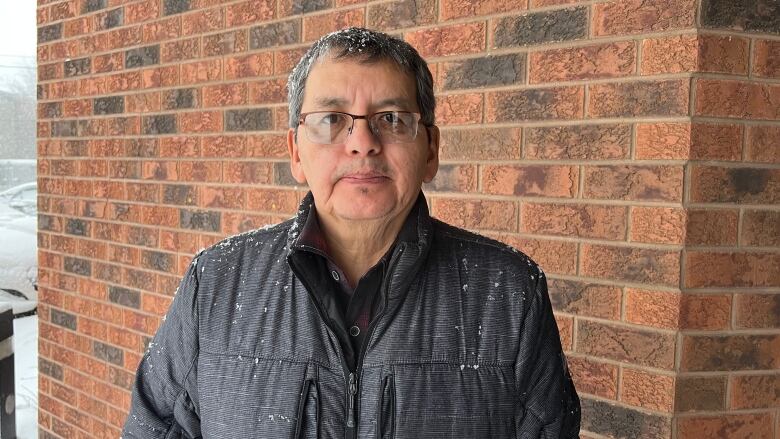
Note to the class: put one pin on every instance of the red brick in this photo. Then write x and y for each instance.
(639, 16)
(225, 43)
(533, 180)
(766, 59)
(609, 60)
(579, 220)
(459, 109)
(315, 26)
(736, 426)
(401, 14)
(640, 183)
(125, 37)
(180, 50)
(640, 265)
(660, 309)
(76, 27)
(480, 144)
(641, 98)
(160, 77)
(256, 64)
(737, 99)
(178, 241)
(200, 122)
(454, 178)
(761, 144)
(225, 95)
(592, 377)
(448, 40)
(477, 214)
(559, 257)
(755, 391)
(143, 103)
(63, 10)
(122, 338)
(661, 225)
(286, 60)
(647, 390)
(249, 12)
(272, 91)
(107, 63)
(760, 228)
(272, 200)
(179, 147)
(730, 352)
(663, 141)
(712, 227)
(201, 71)
(717, 184)
(732, 269)
(693, 393)
(266, 146)
(451, 9)
(621, 343)
(565, 331)
(154, 304)
(200, 171)
(224, 146)
(562, 103)
(160, 30)
(281, 118)
(716, 141)
(248, 172)
(203, 21)
(233, 223)
(144, 11)
(222, 197)
(695, 53)
(757, 310)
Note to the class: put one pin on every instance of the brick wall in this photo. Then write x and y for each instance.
(629, 146)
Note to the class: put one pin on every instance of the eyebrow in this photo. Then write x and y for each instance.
(333, 102)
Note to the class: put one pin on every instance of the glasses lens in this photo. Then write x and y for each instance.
(327, 127)
(395, 126)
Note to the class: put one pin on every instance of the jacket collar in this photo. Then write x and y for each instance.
(415, 231)
(412, 243)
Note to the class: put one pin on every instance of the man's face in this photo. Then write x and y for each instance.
(361, 178)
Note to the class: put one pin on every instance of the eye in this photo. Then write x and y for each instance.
(327, 119)
(390, 118)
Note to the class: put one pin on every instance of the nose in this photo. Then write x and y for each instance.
(361, 140)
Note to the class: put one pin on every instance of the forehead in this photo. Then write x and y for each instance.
(343, 82)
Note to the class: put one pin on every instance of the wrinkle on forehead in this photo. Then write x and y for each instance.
(395, 91)
(334, 102)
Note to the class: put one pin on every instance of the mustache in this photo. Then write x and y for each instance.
(369, 167)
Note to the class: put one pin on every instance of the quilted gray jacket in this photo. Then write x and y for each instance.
(464, 345)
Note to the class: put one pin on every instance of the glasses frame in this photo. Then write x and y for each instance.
(367, 117)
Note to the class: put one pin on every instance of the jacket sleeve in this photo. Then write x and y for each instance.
(548, 405)
(165, 400)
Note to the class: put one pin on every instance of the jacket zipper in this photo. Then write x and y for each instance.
(348, 375)
(351, 377)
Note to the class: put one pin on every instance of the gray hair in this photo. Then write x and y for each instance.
(365, 46)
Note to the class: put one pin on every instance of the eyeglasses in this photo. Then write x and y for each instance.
(329, 127)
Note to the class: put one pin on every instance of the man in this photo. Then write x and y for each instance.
(362, 317)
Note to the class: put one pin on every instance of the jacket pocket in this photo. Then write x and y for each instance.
(385, 420)
(308, 411)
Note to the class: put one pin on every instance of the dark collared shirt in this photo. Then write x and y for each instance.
(356, 306)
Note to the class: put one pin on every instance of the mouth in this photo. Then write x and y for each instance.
(370, 177)
(364, 177)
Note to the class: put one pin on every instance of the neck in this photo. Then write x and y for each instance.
(356, 246)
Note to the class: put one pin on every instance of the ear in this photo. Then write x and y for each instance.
(296, 167)
(432, 158)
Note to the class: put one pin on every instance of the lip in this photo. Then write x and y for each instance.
(364, 177)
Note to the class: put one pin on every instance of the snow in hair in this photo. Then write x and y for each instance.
(366, 46)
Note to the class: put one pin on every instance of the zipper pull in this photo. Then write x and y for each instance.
(351, 401)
